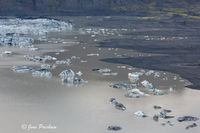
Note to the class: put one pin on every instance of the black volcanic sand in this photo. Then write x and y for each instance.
(180, 56)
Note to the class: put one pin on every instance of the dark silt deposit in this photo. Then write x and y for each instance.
(173, 46)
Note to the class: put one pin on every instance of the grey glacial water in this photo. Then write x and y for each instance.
(46, 105)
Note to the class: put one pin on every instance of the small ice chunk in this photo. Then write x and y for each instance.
(110, 74)
(158, 92)
(75, 57)
(171, 89)
(156, 75)
(191, 126)
(103, 70)
(124, 86)
(187, 118)
(48, 66)
(117, 105)
(114, 128)
(79, 73)
(140, 114)
(157, 107)
(62, 50)
(61, 62)
(149, 73)
(93, 54)
(175, 77)
(170, 123)
(163, 114)
(7, 53)
(137, 91)
(132, 95)
(84, 61)
(134, 76)
(24, 69)
(79, 81)
(43, 74)
(67, 76)
(35, 58)
(33, 49)
(147, 84)
(155, 117)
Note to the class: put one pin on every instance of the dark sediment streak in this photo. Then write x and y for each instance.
(177, 56)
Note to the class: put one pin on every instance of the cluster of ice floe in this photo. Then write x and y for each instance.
(102, 31)
(36, 72)
(162, 38)
(134, 92)
(19, 32)
(39, 59)
(67, 76)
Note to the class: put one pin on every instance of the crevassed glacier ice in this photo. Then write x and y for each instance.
(32, 26)
(17, 32)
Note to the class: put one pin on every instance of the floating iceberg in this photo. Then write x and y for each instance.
(24, 69)
(187, 118)
(148, 85)
(38, 58)
(102, 70)
(191, 126)
(134, 76)
(93, 54)
(140, 114)
(117, 105)
(43, 74)
(68, 76)
(114, 128)
(156, 75)
(155, 117)
(132, 95)
(35, 58)
(48, 66)
(164, 114)
(110, 74)
(79, 81)
(61, 62)
(79, 73)
(105, 71)
(149, 73)
(6, 53)
(36, 72)
(123, 86)
(135, 93)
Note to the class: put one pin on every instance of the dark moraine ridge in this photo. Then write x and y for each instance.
(97, 7)
(177, 56)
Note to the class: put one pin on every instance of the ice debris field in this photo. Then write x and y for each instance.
(23, 32)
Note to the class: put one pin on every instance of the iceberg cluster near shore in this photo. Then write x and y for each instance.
(19, 32)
